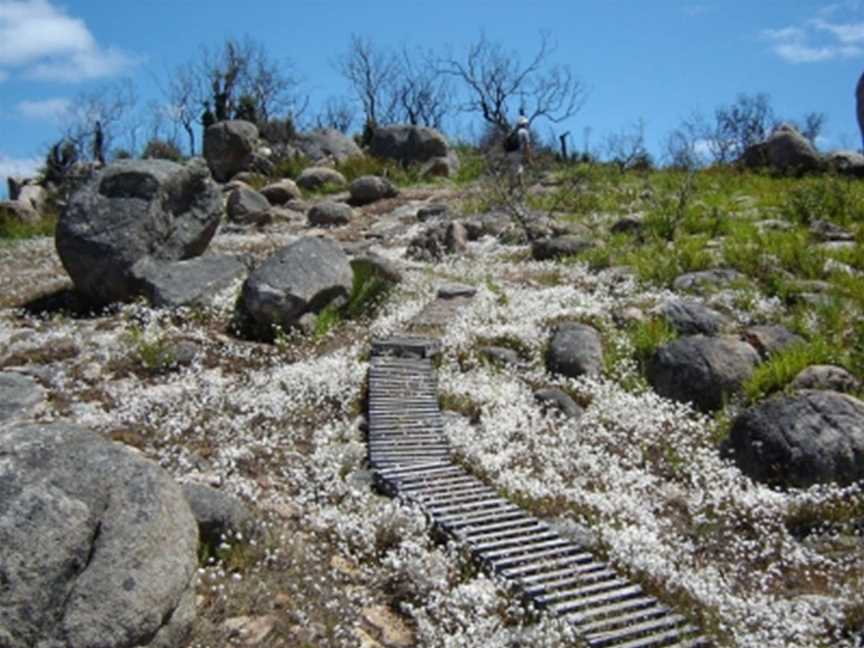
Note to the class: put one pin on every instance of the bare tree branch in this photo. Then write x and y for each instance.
(494, 78)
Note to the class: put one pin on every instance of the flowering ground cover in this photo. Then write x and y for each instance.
(638, 477)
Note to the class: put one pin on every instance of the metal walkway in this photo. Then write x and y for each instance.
(410, 456)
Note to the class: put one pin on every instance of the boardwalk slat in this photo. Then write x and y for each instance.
(409, 452)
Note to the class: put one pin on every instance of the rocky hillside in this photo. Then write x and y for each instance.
(664, 365)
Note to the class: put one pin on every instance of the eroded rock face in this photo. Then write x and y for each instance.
(701, 370)
(99, 544)
(807, 438)
(304, 277)
(130, 210)
(229, 148)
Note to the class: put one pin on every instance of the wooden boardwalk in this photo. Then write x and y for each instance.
(410, 456)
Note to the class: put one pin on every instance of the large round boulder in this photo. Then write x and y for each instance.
(701, 370)
(785, 150)
(229, 148)
(575, 350)
(408, 144)
(99, 544)
(807, 438)
(303, 277)
(130, 210)
(327, 144)
(846, 162)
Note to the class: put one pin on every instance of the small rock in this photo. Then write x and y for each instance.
(248, 207)
(718, 277)
(629, 315)
(558, 247)
(387, 627)
(330, 214)
(279, 193)
(251, 630)
(500, 355)
(768, 339)
(575, 350)
(218, 513)
(827, 231)
(456, 238)
(630, 224)
(450, 291)
(559, 400)
(369, 189)
(826, 377)
(313, 178)
(429, 212)
(692, 318)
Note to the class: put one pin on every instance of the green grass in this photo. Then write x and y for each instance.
(12, 229)
(660, 262)
(646, 337)
(778, 371)
(292, 167)
(472, 165)
(359, 166)
(831, 198)
(368, 291)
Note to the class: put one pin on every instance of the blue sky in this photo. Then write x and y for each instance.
(654, 61)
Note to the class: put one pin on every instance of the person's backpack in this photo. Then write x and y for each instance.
(511, 141)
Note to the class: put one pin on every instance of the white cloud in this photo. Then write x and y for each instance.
(816, 41)
(42, 41)
(44, 109)
(848, 34)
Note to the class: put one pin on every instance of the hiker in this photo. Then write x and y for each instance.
(518, 146)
